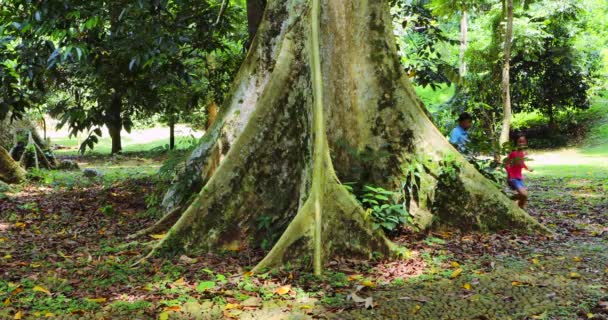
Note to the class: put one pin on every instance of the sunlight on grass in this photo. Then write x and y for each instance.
(569, 163)
(137, 140)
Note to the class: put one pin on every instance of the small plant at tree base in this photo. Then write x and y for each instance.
(383, 208)
(107, 210)
(265, 223)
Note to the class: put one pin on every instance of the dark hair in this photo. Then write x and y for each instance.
(464, 116)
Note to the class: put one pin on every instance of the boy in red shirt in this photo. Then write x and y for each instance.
(514, 165)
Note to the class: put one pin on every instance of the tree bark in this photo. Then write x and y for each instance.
(114, 123)
(255, 12)
(315, 104)
(506, 91)
(464, 42)
(171, 135)
(10, 171)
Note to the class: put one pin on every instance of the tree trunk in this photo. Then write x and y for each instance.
(10, 171)
(315, 104)
(506, 91)
(255, 12)
(114, 123)
(464, 42)
(171, 135)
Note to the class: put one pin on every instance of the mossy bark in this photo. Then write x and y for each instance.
(326, 101)
(10, 171)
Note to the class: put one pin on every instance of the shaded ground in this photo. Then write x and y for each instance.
(63, 254)
(504, 276)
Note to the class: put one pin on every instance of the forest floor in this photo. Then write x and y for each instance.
(64, 254)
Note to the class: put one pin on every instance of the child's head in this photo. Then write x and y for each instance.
(521, 142)
(465, 120)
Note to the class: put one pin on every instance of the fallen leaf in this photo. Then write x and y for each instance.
(231, 306)
(173, 308)
(19, 225)
(353, 277)
(467, 286)
(179, 281)
(18, 315)
(205, 285)
(158, 236)
(368, 283)
(16, 290)
(283, 290)
(42, 289)
(456, 273)
(186, 259)
(416, 309)
(574, 275)
(577, 259)
(7, 302)
(163, 316)
(540, 316)
(368, 302)
(96, 300)
(455, 264)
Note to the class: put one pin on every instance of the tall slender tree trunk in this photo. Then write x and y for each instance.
(171, 135)
(464, 42)
(114, 122)
(506, 91)
(315, 104)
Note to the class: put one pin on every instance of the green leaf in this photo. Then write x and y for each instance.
(381, 197)
(205, 285)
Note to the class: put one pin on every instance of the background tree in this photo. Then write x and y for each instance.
(104, 57)
(506, 69)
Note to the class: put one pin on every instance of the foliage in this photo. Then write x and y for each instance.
(551, 70)
(381, 205)
(111, 63)
(421, 44)
(551, 78)
(449, 170)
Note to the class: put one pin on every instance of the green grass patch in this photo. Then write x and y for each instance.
(104, 146)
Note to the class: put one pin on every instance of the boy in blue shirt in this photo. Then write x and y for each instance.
(459, 136)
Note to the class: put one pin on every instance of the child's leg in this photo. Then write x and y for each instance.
(523, 197)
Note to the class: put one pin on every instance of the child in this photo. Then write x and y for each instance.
(459, 136)
(514, 165)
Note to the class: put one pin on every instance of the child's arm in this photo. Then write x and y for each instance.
(523, 163)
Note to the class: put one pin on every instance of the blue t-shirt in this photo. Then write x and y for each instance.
(459, 137)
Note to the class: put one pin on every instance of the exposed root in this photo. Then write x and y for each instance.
(161, 225)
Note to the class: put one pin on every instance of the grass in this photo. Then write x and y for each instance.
(596, 142)
(129, 145)
(136, 141)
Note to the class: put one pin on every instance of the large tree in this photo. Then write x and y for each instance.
(320, 99)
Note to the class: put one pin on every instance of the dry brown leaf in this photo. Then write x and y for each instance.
(283, 290)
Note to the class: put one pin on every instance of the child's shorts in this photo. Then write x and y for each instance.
(516, 184)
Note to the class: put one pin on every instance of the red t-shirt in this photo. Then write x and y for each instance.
(515, 163)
